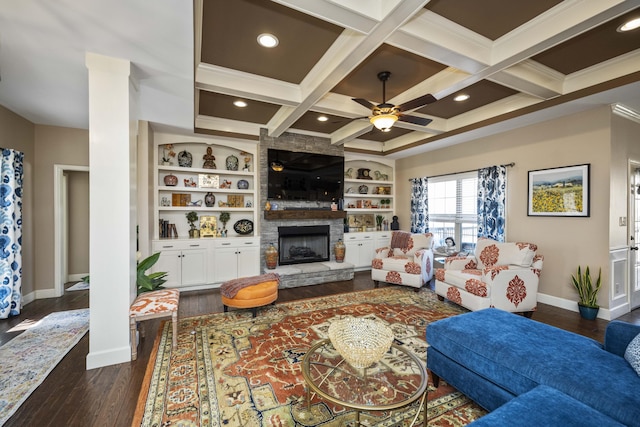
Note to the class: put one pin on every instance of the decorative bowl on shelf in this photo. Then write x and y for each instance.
(243, 184)
(170, 180)
(361, 342)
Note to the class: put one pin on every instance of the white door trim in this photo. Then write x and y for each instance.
(60, 234)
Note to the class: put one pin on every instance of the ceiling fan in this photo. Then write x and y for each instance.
(384, 115)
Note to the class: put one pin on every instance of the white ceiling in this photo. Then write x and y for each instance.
(42, 56)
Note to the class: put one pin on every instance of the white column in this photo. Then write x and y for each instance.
(112, 208)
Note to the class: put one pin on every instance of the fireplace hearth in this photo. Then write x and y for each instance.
(303, 244)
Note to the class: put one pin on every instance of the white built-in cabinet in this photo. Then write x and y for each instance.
(369, 191)
(235, 258)
(205, 261)
(360, 248)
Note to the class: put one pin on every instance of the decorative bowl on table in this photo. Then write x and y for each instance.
(361, 342)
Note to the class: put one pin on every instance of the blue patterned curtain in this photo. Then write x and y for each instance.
(11, 173)
(492, 184)
(419, 207)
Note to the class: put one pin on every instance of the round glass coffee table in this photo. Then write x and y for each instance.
(397, 380)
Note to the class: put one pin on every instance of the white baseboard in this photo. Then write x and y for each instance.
(107, 358)
(571, 305)
(30, 297)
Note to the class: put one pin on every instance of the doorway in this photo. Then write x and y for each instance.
(634, 236)
(71, 219)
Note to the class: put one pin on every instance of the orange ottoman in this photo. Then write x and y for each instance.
(255, 292)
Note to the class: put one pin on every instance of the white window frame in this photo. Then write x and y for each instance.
(459, 218)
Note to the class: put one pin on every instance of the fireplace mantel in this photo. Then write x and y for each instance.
(304, 214)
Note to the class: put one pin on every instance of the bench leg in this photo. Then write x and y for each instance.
(174, 321)
(134, 343)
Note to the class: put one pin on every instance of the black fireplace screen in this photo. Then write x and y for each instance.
(304, 244)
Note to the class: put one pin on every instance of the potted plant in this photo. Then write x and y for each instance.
(379, 219)
(192, 217)
(587, 292)
(149, 282)
(224, 218)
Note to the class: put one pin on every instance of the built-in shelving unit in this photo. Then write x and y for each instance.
(231, 179)
(369, 191)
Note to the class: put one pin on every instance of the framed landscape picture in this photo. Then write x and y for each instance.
(560, 191)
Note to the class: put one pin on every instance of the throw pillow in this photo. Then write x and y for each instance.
(632, 354)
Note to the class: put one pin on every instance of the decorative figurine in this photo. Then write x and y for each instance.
(209, 160)
(394, 224)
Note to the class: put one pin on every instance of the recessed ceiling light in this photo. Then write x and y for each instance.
(461, 97)
(268, 40)
(240, 103)
(629, 25)
(322, 118)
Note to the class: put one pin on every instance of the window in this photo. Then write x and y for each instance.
(453, 209)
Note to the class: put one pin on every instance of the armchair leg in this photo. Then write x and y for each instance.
(440, 298)
(376, 283)
(527, 314)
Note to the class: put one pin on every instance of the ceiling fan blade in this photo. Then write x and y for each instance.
(414, 119)
(349, 120)
(418, 102)
(364, 103)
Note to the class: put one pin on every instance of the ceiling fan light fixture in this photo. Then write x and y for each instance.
(384, 122)
(268, 40)
(629, 25)
(277, 166)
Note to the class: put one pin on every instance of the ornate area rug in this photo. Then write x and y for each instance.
(232, 370)
(27, 359)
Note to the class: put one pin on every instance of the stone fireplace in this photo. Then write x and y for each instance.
(303, 244)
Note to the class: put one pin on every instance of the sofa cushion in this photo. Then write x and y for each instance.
(518, 354)
(490, 253)
(632, 354)
(470, 280)
(545, 406)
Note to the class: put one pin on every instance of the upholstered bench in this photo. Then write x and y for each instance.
(250, 292)
(152, 305)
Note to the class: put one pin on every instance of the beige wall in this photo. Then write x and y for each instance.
(78, 222)
(54, 145)
(564, 242)
(18, 133)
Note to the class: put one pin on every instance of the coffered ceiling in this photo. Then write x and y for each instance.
(513, 59)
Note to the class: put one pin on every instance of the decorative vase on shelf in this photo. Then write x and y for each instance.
(209, 200)
(271, 256)
(339, 249)
(170, 180)
(185, 159)
(267, 206)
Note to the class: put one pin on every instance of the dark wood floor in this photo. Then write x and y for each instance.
(73, 396)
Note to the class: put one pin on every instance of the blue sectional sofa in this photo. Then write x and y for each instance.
(531, 374)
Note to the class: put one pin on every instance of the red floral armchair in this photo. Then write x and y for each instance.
(407, 261)
(500, 274)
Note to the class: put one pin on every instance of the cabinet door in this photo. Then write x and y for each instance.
(225, 262)
(248, 261)
(194, 267)
(367, 251)
(170, 261)
(352, 250)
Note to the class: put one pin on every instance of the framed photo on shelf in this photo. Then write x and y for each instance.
(208, 181)
(562, 191)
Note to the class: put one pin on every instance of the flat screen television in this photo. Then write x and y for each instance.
(304, 176)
